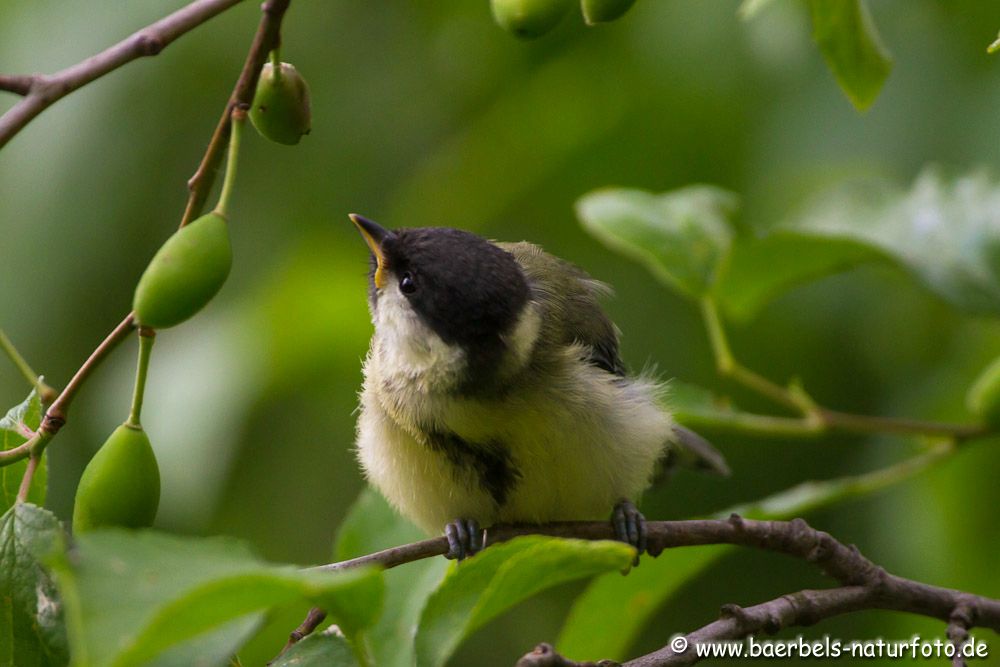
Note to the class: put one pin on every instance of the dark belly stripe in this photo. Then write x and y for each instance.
(491, 462)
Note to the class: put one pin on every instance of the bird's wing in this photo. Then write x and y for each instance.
(569, 298)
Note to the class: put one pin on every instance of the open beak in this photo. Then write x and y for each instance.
(374, 235)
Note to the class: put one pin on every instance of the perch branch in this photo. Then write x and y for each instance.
(863, 585)
(791, 502)
(41, 91)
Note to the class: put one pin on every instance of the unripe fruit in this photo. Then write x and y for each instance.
(121, 484)
(529, 18)
(983, 398)
(184, 275)
(280, 108)
(603, 11)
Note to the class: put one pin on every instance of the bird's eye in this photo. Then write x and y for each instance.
(407, 284)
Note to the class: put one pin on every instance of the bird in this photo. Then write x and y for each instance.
(494, 391)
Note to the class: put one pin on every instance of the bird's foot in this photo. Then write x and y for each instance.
(630, 527)
(465, 538)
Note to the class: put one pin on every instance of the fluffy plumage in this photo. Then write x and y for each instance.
(494, 389)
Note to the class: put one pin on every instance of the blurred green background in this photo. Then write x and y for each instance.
(429, 114)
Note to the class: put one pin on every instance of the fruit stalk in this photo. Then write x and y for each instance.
(275, 58)
(239, 119)
(146, 338)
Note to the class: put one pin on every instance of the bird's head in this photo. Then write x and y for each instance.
(438, 293)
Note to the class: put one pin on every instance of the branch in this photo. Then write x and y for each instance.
(268, 37)
(42, 91)
(864, 585)
(154, 37)
(16, 83)
(797, 500)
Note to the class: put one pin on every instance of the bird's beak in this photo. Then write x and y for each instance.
(374, 235)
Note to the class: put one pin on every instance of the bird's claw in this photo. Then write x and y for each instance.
(465, 539)
(630, 527)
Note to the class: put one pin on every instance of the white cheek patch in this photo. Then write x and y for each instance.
(408, 347)
(521, 340)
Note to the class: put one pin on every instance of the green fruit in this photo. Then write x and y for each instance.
(121, 484)
(529, 18)
(603, 11)
(184, 275)
(983, 398)
(280, 108)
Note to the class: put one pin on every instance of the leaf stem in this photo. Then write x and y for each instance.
(748, 423)
(239, 116)
(815, 419)
(45, 393)
(727, 365)
(843, 421)
(146, 339)
(29, 474)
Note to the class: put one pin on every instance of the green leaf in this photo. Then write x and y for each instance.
(852, 48)
(501, 576)
(758, 269)
(372, 525)
(27, 415)
(322, 649)
(32, 633)
(680, 236)
(179, 588)
(214, 648)
(945, 231)
(606, 619)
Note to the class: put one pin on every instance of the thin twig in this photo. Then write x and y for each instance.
(19, 84)
(43, 90)
(46, 394)
(265, 38)
(55, 416)
(958, 630)
(15, 454)
(268, 36)
(815, 419)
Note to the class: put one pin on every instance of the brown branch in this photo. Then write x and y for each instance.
(864, 585)
(41, 91)
(18, 84)
(148, 41)
(958, 630)
(544, 655)
(803, 608)
(268, 37)
(15, 454)
(55, 416)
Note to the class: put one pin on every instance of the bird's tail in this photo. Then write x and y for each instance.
(690, 450)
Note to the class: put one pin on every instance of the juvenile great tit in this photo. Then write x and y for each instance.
(494, 391)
